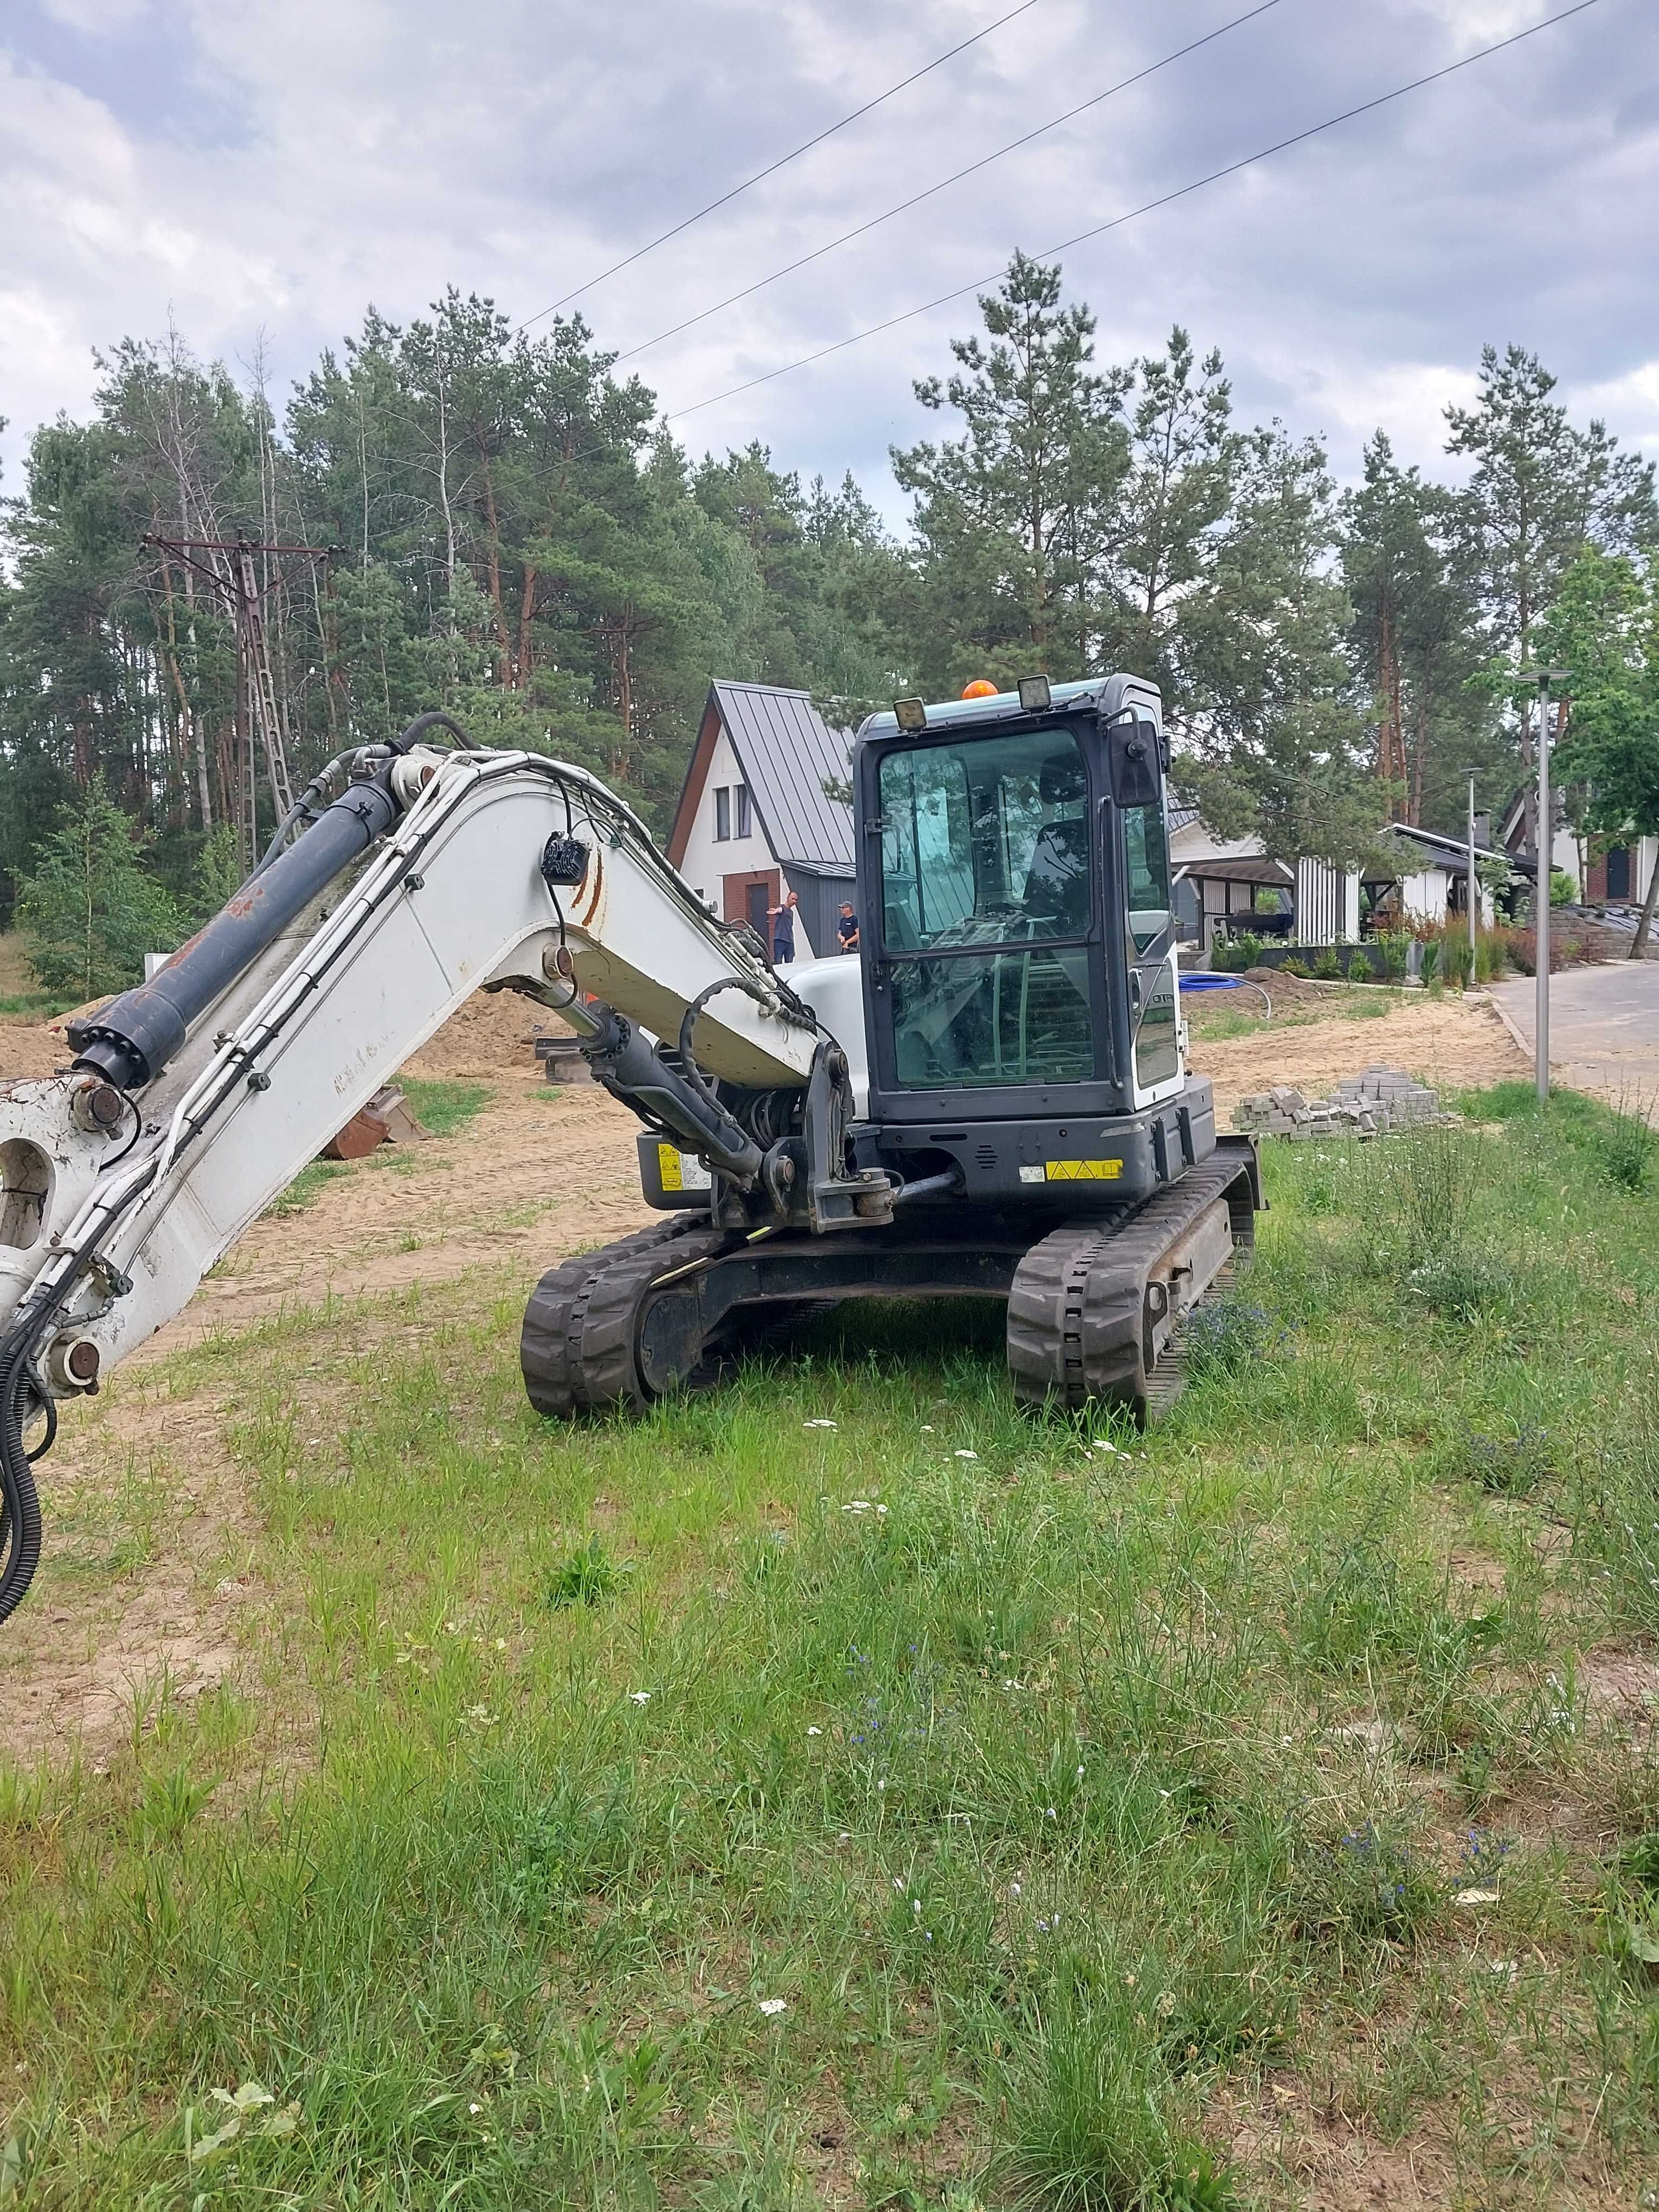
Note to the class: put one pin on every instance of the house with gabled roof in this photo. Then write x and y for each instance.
(755, 817)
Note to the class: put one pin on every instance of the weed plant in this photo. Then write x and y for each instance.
(946, 1808)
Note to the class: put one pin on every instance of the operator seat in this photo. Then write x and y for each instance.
(1056, 897)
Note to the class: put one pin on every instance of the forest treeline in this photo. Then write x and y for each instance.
(516, 538)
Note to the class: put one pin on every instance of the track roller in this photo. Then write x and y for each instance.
(1098, 1309)
(583, 1349)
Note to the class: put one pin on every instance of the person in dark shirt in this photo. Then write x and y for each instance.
(846, 928)
(783, 930)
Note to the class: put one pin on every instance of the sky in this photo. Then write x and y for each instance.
(258, 171)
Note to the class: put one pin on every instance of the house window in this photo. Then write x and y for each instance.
(722, 815)
(741, 794)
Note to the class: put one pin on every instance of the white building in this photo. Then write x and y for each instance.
(755, 819)
(1226, 886)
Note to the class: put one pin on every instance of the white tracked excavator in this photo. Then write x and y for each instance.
(989, 1099)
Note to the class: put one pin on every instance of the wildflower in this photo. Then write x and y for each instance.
(771, 2006)
(1013, 1889)
(639, 1697)
(967, 1455)
(1049, 1813)
(819, 1424)
(815, 1731)
(927, 1428)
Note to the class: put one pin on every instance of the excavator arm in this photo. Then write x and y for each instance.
(196, 1099)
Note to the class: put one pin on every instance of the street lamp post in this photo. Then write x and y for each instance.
(1544, 856)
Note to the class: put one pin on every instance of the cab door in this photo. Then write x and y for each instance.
(1143, 870)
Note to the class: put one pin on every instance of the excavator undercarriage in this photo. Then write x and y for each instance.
(1097, 1307)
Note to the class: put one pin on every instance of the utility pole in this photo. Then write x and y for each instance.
(1473, 887)
(230, 568)
(1544, 856)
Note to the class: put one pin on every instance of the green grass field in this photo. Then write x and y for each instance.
(843, 1789)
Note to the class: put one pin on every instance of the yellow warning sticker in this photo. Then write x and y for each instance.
(1084, 1170)
(680, 1170)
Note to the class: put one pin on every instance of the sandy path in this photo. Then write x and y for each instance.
(1445, 1041)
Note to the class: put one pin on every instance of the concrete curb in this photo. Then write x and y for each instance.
(1522, 1044)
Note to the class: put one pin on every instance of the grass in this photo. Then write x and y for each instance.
(442, 1106)
(935, 1807)
(1212, 1017)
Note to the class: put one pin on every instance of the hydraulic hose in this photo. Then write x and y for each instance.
(20, 1501)
(694, 1074)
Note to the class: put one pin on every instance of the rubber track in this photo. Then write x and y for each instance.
(1075, 1310)
(576, 1346)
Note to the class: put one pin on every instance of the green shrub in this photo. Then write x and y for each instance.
(1294, 966)
(587, 1576)
(1625, 1145)
(1327, 967)
(1456, 958)
(1390, 950)
(90, 911)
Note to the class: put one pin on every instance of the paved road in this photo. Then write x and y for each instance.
(1604, 1027)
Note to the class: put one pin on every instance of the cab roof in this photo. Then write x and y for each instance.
(1103, 694)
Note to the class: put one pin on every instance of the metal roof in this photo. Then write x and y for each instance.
(788, 752)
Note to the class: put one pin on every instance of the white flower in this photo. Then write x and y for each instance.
(1013, 1889)
(639, 1697)
(771, 2006)
(967, 1455)
(815, 1731)
(927, 1428)
(819, 1424)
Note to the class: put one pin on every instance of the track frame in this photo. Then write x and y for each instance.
(1097, 1306)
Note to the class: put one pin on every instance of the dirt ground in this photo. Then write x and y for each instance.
(539, 1173)
(1447, 1041)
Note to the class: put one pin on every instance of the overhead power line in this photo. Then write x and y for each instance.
(782, 163)
(1116, 222)
(945, 183)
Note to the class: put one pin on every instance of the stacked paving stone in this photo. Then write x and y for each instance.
(1367, 1105)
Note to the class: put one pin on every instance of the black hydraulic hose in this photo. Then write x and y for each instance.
(935, 1186)
(694, 1074)
(20, 1501)
(433, 718)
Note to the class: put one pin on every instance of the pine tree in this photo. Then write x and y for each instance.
(1541, 490)
(1008, 516)
(1604, 630)
(89, 912)
(1164, 531)
(1413, 645)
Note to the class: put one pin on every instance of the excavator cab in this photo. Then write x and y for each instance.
(1022, 1007)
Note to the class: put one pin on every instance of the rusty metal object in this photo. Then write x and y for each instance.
(387, 1120)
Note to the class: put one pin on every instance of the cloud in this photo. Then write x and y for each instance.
(272, 165)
